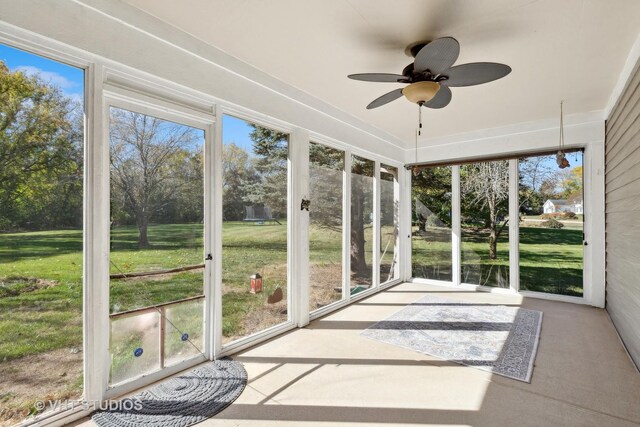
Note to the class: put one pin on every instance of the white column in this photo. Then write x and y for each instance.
(514, 226)
(404, 226)
(594, 225)
(346, 228)
(375, 278)
(456, 227)
(299, 227)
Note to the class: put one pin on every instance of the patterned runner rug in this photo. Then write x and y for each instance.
(180, 401)
(495, 338)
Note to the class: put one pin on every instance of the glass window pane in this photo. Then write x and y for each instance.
(183, 327)
(326, 175)
(551, 225)
(388, 223)
(431, 229)
(134, 345)
(362, 171)
(254, 234)
(41, 204)
(484, 193)
(157, 217)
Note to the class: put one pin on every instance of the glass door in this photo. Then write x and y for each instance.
(431, 243)
(551, 225)
(157, 260)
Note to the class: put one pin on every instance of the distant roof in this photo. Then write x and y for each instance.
(558, 201)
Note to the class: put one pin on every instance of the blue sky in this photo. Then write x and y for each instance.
(575, 159)
(69, 79)
(237, 131)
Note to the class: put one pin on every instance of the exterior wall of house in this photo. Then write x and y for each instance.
(622, 189)
(548, 207)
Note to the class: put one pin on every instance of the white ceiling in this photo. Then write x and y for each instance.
(570, 49)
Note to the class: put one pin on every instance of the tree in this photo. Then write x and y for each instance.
(40, 153)
(487, 186)
(142, 150)
(238, 172)
(571, 184)
(431, 188)
(536, 174)
(269, 188)
(326, 166)
(361, 204)
(187, 178)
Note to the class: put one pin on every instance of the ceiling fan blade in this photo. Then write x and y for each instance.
(377, 77)
(438, 56)
(441, 100)
(475, 73)
(385, 99)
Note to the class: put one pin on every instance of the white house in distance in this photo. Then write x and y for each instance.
(562, 205)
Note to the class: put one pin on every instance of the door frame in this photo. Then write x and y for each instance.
(125, 98)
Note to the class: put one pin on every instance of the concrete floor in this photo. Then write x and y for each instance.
(327, 374)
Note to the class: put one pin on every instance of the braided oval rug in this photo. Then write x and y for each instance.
(180, 401)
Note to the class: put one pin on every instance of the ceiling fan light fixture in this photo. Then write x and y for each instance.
(421, 92)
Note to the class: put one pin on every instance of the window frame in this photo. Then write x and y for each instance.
(514, 227)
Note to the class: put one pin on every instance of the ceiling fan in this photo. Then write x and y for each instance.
(432, 73)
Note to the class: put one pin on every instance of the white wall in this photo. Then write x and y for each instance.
(581, 130)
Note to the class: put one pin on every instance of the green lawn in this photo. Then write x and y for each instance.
(36, 316)
(550, 260)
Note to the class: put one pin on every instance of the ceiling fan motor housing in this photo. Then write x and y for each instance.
(421, 92)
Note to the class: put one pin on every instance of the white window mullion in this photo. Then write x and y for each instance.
(375, 277)
(514, 227)
(209, 245)
(96, 240)
(398, 212)
(216, 300)
(346, 228)
(456, 227)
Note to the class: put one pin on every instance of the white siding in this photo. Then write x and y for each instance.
(622, 210)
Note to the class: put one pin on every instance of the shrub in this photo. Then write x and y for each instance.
(552, 223)
(569, 215)
(553, 215)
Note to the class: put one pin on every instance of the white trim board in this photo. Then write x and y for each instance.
(625, 75)
(580, 130)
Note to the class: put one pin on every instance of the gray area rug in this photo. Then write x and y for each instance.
(180, 401)
(495, 338)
